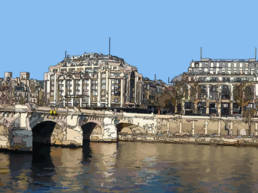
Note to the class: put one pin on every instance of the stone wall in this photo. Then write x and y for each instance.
(15, 138)
(17, 128)
(173, 128)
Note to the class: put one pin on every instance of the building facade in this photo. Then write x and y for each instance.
(20, 90)
(213, 86)
(152, 91)
(93, 80)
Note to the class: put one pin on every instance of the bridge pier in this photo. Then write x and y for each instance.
(15, 138)
(109, 130)
(22, 140)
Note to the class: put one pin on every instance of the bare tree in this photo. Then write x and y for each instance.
(243, 95)
(167, 100)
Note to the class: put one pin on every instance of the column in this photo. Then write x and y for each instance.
(109, 92)
(193, 128)
(122, 92)
(231, 107)
(55, 87)
(219, 129)
(231, 128)
(140, 93)
(188, 91)
(206, 128)
(128, 91)
(195, 106)
(183, 107)
(89, 91)
(99, 89)
(208, 99)
(219, 101)
(231, 92)
(231, 99)
(47, 87)
(135, 89)
(73, 93)
(107, 77)
(64, 95)
(180, 127)
(81, 92)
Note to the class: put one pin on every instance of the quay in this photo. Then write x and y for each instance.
(22, 125)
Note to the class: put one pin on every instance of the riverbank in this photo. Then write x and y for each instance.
(233, 141)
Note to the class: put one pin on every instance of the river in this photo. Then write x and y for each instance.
(131, 167)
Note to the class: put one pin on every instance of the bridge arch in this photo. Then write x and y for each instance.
(92, 131)
(128, 129)
(47, 132)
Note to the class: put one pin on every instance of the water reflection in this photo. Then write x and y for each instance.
(42, 168)
(86, 150)
(5, 174)
(19, 165)
(131, 167)
(101, 167)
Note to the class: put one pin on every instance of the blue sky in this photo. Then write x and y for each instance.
(159, 37)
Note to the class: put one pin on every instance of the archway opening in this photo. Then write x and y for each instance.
(91, 132)
(124, 127)
(42, 133)
(127, 131)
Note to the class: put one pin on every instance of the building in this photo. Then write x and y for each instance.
(152, 90)
(20, 90)
(213, 86)
(93, 80)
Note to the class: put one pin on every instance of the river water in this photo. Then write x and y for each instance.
(131, 167)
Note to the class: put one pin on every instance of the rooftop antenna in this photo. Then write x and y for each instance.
(200, 53)
(65, 54)
(255, 53)
(168, 80)
(109, 46)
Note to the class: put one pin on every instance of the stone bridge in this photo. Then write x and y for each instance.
(22, 125)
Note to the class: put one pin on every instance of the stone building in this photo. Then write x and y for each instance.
(93, 80)
(152, 90)
(212, 86)
(20, 89)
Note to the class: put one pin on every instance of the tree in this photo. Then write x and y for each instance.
(249, 113)
(167, 100)
(180, 89)
(194, 94)
(243, 95)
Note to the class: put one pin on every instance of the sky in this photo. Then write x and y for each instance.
(158, 37)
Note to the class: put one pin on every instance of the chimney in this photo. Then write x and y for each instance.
(109, 46)
(200, 53)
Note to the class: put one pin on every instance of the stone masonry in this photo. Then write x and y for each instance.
(21, 125)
